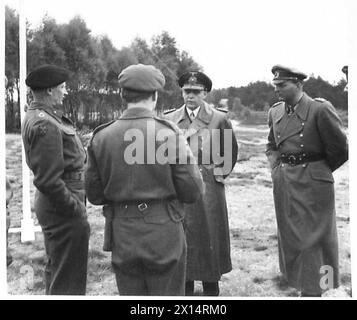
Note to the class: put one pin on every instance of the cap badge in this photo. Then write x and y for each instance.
(192, 80)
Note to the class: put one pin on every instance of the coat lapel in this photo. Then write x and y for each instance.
(288, 126)
(304, 106)
(189, 128)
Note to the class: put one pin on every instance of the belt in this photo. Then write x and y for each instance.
(73, 175)
(299, 158)
(142, 205)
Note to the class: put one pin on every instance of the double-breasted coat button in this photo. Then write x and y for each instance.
(301, 145)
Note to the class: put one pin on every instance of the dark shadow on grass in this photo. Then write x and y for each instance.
(281, 282)
(259, 280)
(345, 279)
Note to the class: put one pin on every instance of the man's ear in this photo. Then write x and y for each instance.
(205, 94)
(49, 91)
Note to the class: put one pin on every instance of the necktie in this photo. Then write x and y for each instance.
(192, 115)
(289, 109)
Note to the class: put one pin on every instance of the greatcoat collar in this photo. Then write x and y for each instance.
(287, 126)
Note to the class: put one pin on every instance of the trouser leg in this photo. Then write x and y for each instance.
(67, 250)
(130, 282)
(189, 288)
(167, 279)
(47, 273)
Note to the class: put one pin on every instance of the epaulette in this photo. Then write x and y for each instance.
(169, 111)
(167, 123)
(101, 127)
(41, 114)
(222, 110)
(320, 99)
(276, 104)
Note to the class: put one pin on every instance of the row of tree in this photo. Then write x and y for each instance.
(95, 64)
(260, 95)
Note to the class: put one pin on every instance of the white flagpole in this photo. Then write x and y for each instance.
(27, 223)
(3, 283)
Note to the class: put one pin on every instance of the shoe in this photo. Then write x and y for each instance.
(210, 289)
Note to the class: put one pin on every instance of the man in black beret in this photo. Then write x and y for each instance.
(213, 143)
(142, 196)
(56, 157)
(306, 143)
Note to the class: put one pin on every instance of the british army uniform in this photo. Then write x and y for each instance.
(143, 202)
(56, 156)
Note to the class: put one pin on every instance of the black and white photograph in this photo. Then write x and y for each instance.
(183, 149)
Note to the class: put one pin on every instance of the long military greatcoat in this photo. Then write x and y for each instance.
(304, 193)
(206, 221)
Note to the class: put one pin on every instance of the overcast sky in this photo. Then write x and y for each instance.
(236, 42)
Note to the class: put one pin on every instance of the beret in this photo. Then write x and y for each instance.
(140, 77)
(46, 76)
(195, 80)
(282, 73)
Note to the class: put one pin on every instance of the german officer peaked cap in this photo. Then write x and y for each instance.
(46, 76)
(140, 77)
(282, 73)
(195, 80)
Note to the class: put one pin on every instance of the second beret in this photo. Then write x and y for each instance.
(140, 77)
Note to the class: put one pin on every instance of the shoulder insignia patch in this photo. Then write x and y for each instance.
(320, 99)
(42, 130)
(169, 111)
(222, 110)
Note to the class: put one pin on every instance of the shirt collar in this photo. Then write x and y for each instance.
(195, 111)
(137, 112)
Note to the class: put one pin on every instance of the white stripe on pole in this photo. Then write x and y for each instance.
(27, 224)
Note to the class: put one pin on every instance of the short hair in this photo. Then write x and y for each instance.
(133, 96)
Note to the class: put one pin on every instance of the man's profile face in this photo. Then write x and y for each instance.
(286, 90)
(58, 93)
(193, 97)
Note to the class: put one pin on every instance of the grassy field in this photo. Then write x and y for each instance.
(252, 227)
